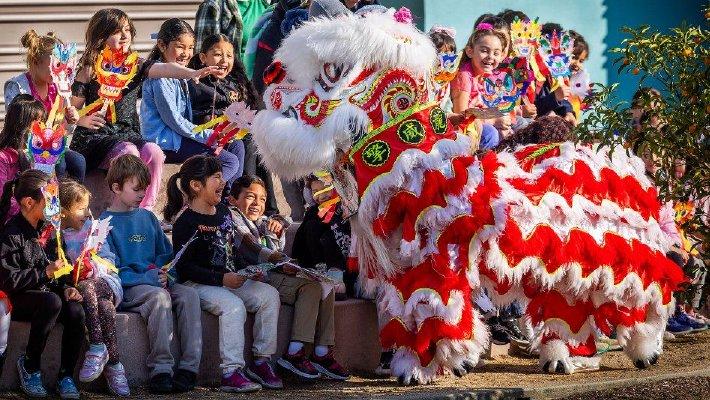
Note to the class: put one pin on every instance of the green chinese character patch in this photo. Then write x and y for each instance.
(411, 132)
(376, 153)
(437, 119)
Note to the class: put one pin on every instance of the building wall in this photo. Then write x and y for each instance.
(68, 19)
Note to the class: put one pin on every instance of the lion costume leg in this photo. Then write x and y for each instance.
(434, 327)
(567, 338)
(642, 337)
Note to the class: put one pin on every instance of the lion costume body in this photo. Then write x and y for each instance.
(569, 231)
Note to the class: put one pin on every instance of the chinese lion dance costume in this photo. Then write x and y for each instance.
(568, 230)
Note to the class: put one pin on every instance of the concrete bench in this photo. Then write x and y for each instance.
(357, 344)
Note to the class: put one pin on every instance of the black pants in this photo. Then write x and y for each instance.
(43, 310)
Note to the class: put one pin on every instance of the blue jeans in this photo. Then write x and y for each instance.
(72, 164)
(232, 157)
(489, 137)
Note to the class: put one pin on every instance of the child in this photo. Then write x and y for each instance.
(100, 291)
(324, 239)
(443, 39)
(485, 49)
(101, 141)
(142, 250)
(27, 277)
(208, 266)
(166, 109)
(548, 101)
(313, 318)
(213, 94)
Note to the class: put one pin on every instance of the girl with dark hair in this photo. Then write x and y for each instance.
(27, 277)
(101, 141)
(166, 109)
(23, 110)
(205, 235)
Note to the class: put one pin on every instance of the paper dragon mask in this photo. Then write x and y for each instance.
(234, 124)
(47, 142)
(63, 63)
(500, 91)
(524, 36)
(114, 70)
(556, 51)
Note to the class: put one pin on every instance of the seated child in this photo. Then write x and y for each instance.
(324, 235)
(27, 277)
(313, 319)
(207, 247)
(142, 250)
(99, 287)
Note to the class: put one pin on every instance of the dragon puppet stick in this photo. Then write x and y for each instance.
(234, 124)
(114, 70)
(46, 146)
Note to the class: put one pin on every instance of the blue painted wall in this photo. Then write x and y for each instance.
(598, 21)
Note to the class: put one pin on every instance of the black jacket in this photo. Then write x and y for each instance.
(23, 260)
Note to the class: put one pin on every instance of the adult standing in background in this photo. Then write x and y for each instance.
(232, 18)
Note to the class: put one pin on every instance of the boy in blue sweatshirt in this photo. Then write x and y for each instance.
(142, 250)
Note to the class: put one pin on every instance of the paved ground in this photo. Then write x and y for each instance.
(683, 372)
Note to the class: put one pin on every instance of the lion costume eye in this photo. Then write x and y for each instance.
(330, 75)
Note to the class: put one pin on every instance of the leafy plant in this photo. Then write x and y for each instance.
(670, 125)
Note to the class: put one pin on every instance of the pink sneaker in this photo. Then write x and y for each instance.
(116, 380)
(94, 362)
(236, 382)
(264, 374)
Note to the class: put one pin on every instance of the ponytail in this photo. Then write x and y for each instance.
(195, 168)
(7, 192)
(28, 184)
(38, 46)
(176, 199)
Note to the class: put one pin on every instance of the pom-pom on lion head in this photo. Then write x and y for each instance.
(334, 81)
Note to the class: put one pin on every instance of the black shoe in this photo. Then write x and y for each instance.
(499, 334)
(184, 381)
(2, 362)
(161, 384)
(514, 331)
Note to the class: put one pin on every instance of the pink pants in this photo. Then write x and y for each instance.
(152, 155)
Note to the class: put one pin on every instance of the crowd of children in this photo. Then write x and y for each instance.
(220, 216)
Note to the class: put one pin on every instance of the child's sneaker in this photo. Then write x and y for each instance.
(184, 380)
(236, 382)
(161, 383)
(94, 362)
(676, 328)
(687, 320)
(31, 384)
(327, 366)
(67, 388)
(116, 380)
(265, 375)
(299, 365)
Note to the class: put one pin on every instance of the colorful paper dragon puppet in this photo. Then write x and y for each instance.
(527, 63)
(556, 51)
(63, 63)
(569, 231)
(114, 70)
(46, 145)
(499, 90)
(234, 124)
(96, 234)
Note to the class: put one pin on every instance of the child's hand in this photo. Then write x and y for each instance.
(163, 278)
(203, 72)
(52, 268)
(529, 110)
(562, 92)
(569, 117)
(71, 115)
(275, 227)
(94, 121)
(71, 294)
(232, 280)
(502, 123)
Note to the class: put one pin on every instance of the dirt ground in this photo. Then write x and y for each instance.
(512, 376)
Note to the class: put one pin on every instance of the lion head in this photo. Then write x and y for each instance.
(334, 82)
